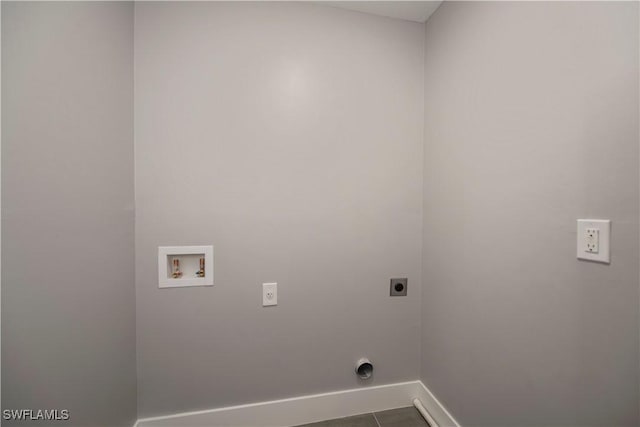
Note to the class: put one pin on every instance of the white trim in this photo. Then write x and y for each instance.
(436, 409)
(425, 414)
(310, 408)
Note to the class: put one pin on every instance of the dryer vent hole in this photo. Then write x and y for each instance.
(364, 370)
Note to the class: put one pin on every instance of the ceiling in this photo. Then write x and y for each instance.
(417, 11)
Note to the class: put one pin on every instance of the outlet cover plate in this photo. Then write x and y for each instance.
(398, 287)
(269, 294)
(586, 228)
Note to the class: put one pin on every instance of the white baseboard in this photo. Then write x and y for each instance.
(436, 409)
(312, 408)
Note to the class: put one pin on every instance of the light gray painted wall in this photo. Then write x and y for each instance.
(68, 299)
(289, 136)
(531, 122)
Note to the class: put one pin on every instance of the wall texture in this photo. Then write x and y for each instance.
(68, 298)
(531, 122)
(289, 136)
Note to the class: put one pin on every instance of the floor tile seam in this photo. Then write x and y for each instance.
(376, 418)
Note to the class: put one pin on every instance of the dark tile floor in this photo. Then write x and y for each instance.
(402, 417)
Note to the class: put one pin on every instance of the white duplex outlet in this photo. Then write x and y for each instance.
(593, 245)
(593, 240)
(269, 294)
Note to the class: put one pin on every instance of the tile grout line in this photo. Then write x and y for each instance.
(376, 418)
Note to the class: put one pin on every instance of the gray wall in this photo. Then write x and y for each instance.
(289, 136)
(531, 122)
(68, 299)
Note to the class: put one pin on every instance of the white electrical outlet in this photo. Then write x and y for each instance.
(593, 240)
(269, 294)
(593, 244)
